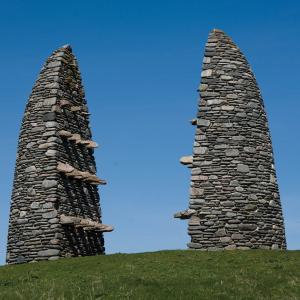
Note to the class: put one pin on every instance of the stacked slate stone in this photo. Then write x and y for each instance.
(234, 198)
(55, 131)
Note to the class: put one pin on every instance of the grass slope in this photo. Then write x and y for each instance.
(159, 275)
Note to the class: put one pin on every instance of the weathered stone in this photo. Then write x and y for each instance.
(206, 60)
(250, 207)
(220, 232)
(202, 87)
(234, 183)
(48, 183)
(53, 258)
(203, 122)
(48, 205)
(230, 214)
(232, 152)
(51, 124)
(194, 220)
(196, 192)
(194, 245)
(272, 179)
(252, 197)
(206, 73)
(35, 205)
(53, 221)
(237, 236)
(184, 214)
(36, 232)
(50, 214)
(228, 203)
(52, 85)
(51, 116)
(46, 145)
(54, 241)
(50, 101)
(230, 247)
(226, 77)
(54, 64)
(221, 146)
(186, 160)
(238, 138)
(21, 259)
(247, 227)
(227, 107)
(58, 235)
(249, 149)
(30, 145)
(197, 201)
(243, 168)
(51, 152)
(30, 169)
(22, 213)
(241, 115)
(22, 221)
(232, 96)
(200, 150)
(225, 239)
(214, 101)
(48, 252)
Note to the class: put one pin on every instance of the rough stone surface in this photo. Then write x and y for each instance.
(234, 189)
(40, 193)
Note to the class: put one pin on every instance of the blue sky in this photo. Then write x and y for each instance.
(141, 62)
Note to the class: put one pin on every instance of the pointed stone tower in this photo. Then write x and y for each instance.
(55, 209)
(234, 197)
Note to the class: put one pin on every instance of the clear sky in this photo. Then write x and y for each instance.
(140, 62)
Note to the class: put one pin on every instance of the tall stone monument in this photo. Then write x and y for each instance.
(55, 210)
(234, 198)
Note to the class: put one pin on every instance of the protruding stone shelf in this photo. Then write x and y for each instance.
(64, 133)
(186, 214)
(187, 161)
(193, 121)
(89, 144)
(75, 108)
(85, 224)
(70, 171)
(77, 139)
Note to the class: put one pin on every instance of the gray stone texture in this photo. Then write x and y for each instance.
(236, 198)
(40, 193)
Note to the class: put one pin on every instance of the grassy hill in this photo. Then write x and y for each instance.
(159, 275)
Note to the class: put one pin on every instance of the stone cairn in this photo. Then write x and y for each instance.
(55, 210)
(234, 198)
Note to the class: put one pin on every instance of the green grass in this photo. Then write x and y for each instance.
(160, 275)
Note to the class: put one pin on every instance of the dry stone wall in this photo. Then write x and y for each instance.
(43, 194)
(234, 198)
